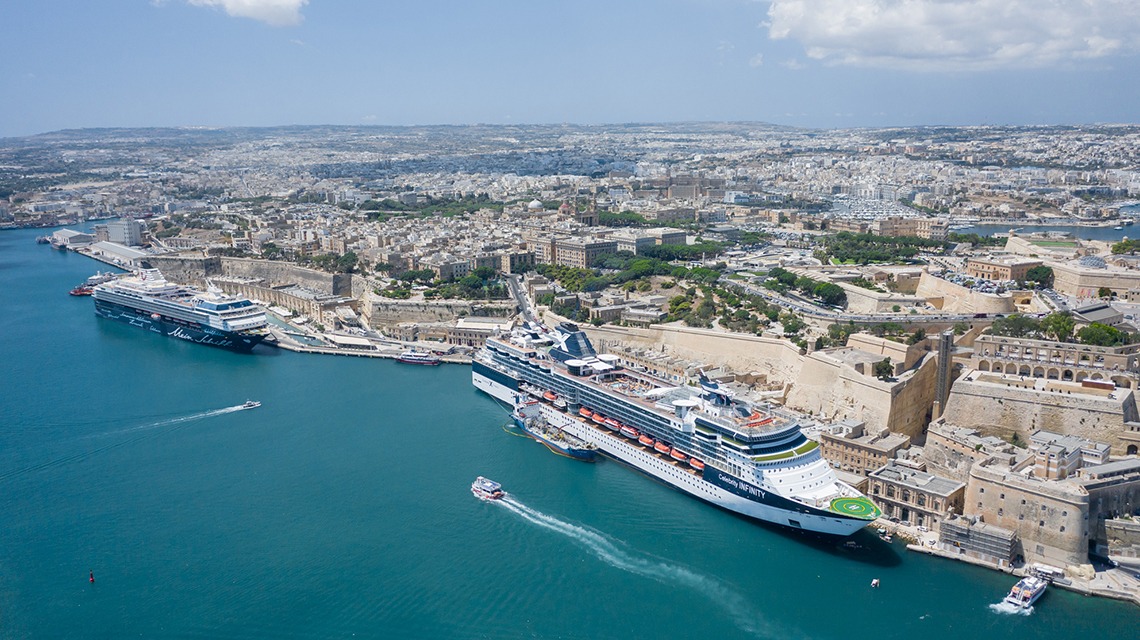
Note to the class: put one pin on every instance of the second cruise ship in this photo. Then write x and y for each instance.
(148, 301)
(752, 460)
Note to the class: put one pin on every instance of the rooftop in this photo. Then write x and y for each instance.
(920, 480)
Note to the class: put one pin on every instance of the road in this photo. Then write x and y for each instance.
(840, 317)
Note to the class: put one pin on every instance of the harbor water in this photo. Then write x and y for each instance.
(341, 508)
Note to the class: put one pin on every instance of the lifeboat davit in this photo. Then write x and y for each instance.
(630, 432)
(678, 456)
(585, 413)
(549, 395)
(646, 440)
(696, 464)
(662, 447)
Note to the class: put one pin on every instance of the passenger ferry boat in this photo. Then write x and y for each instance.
(418, 357)
(485, 489)
(1027, 591)
(703, 441)
(148, 301)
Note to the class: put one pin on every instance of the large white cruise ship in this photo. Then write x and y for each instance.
(703, 441)
(148, 301)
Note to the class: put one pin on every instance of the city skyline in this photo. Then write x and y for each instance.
(809, 63)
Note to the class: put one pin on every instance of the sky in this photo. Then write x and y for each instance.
(68, 64)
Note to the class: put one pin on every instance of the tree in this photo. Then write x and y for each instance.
(1015, 326)
(1102, 335)
(1104, 292)
(1058, 326)
(831, 294)
(884, 370)
(1041, 275)
(916, 337)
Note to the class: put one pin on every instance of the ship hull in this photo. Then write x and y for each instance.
(496, 384)
(175, 328)
(710, 485)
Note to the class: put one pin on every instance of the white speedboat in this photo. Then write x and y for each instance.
(251, 404)
(1026, 592)
(485, 489)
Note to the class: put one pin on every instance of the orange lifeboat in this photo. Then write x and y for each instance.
(678, 456)
(613, 424)
(696, 464)
(630, 432)
(549, 395)
(645, 440)
(599, 418)
(585, 413)
(661, 447)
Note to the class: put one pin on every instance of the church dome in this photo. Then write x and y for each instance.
(534, 205)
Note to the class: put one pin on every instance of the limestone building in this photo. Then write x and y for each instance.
(913, 496)
(1052, 360)
(1000, 267)
(847, 446)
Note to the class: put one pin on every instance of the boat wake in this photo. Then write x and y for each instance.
(1008, 609)
(143, 432)
(609, 551)
(172, 421)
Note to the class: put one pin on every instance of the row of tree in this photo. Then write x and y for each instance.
(780, 280)
(1061, 326)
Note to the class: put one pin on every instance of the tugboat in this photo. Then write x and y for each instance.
(82, 290)
(1026, 592)
(528, 418)
(485, 489)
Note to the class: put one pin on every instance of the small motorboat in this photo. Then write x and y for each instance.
(1026, 592)
(874, 583)
(250, 404)
(485, 489)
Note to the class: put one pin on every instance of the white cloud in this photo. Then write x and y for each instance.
(756, 60)
(957, 34)
(278, 13)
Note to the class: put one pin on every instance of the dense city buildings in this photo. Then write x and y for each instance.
(980, 388)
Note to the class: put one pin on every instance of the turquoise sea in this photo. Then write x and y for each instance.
(341, 508)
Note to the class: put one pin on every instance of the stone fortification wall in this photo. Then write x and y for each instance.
(953, 298)
(815, 383)
(825, 386)
(860, 300)
(777, 359)
(381, 313)
(1123, 540)
(998, 409)
(188, 269)
(1050, 517)
(275, 273)
(948, 458)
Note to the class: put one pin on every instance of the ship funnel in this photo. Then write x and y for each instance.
(682, 407)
